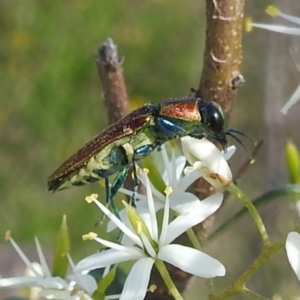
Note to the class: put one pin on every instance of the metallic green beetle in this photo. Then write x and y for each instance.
(135, 136)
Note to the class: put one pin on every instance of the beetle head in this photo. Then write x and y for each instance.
(213, 121)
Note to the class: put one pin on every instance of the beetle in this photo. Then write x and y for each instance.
(134, 137)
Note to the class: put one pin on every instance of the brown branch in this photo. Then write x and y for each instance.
(245, 166)
(111, 76)
(223, 52)
(113, 84)
(221, 68)
(220, 79)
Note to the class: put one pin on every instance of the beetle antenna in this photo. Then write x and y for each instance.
(238, 140)
(230, 131)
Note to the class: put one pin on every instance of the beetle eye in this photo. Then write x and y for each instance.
(212, 116)
(215, 121)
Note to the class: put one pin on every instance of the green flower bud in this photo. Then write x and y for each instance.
(62, 248)
(293, 161)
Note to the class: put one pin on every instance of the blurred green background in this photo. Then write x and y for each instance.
(51, 105)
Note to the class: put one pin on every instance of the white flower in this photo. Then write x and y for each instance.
(181, 201)
(208, 160)
(293, 251)
(39, 275)
(274, 11)
(150, 246)
(172, 176)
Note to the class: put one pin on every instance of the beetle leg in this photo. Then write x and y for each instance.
(138, 154)
(132, 200)
(116, 185)
(110, 200)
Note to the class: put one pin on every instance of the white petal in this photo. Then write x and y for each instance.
(203, 210)
(142, 209)
(278, 28)
(112, 297)
(52, 283)
(112, 226)
(44, 265)
(167, 166)
(63, 295)
(18, 281)
(157, 194)
(126, 241)
(38, 270)
(210, 204)
(119, 223)
(105, 258)
(57, 294)
(180, 162)
(290, 18)
(165, 222)
(85, 282)
(294, 98)
(177, 164)
(173, 181)
(191, 261)
(153, 229)
(293, 251)
(118, 247)
(23, 257)
(129, 193)
(229, 152)
(147, 246)
(158, 205)
(187, 180)
(208, 160)
(199, 149)
(183, 202)
(136, 284)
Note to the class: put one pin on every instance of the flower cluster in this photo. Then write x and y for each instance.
(143, 239)
(75, 286)
(148, 244)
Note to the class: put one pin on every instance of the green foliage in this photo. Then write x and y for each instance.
(293, 161)
(62, 249)
(51, 97)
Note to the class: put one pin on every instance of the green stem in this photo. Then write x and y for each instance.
(261, 259)
(233, 189)
(167, 279)
(289, 189)
(239, 286)
(193, 238)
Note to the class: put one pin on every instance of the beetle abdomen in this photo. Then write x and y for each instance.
(100, 166)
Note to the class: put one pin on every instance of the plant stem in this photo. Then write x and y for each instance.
(261, 259)
(167, 279)
(239, 286)
(233, 189)
(193, 238)
(289, 189)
